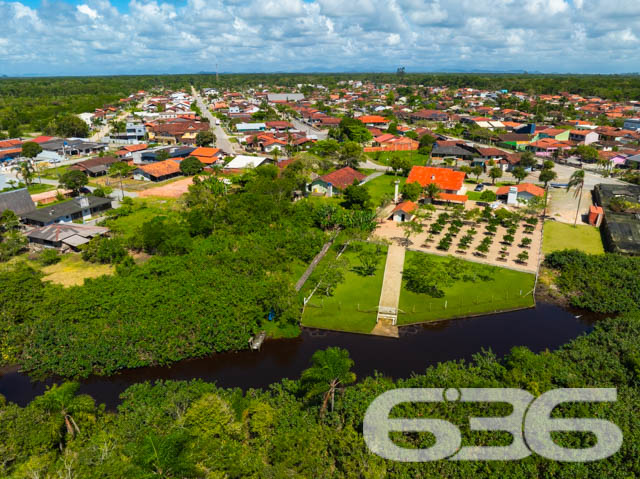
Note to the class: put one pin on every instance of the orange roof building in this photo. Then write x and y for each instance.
(373, 120)
(449, 181)
(527, 189)
(207, 156)
(159, 171)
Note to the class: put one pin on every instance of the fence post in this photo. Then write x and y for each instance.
(445, 304)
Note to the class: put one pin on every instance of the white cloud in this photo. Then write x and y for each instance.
(296, 35)
(87, 10)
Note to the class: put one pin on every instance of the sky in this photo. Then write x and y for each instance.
(102, 37)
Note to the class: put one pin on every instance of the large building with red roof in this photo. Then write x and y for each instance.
(450, 182)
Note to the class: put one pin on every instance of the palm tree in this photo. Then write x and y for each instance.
(61, 402)
(26, 172)
(577, 183)
(330, 371)
(432, 190)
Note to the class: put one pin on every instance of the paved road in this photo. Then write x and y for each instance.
(370, 165)
(309, 130)
(222, 139)
(104, 129)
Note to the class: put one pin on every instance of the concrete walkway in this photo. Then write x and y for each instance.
(391, 286)
(372, 176)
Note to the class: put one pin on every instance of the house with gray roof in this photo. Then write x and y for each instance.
(81, 208)
(18, 201)
(64, 236)
(272, 97)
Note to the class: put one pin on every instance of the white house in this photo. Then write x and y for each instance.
(584, 137)
(251, 126)
(244, 161)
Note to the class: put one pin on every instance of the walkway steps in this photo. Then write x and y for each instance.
(391, 286)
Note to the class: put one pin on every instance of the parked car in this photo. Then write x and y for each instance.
(479, 187)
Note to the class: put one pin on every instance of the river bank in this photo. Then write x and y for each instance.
(547, 326)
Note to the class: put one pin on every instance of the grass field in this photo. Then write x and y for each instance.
(383, 157)
(383, 185)
(72, 270)
(340, 312)
(559, 236)
(144, 209)
(39, 188)
(466, 298)
(54, 173)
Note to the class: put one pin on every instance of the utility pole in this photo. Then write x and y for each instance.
(216, 73)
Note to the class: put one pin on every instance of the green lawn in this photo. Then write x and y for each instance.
(474, 195)
(35, 188)
(558, 236)
(144, 209)
(383, 157)
(353, 305)
(383, 185)
(54, 173)
(462, 299)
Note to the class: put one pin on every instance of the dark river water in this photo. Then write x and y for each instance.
(546, 326)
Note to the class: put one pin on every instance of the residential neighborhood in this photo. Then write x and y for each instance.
(211, 219)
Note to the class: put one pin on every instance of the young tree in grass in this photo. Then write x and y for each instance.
(494, 174)
(369, 259)
(330, 371)
(519, 173)
(477, 171)
(432, 190)
(576, 182)
(547, 175)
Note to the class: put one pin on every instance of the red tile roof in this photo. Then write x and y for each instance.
(206, 155)
(522, 187)
(372, 119)
(343, 177)
(10, 143)
(406, 206)
(445, 178)
(161, 168)
(42, 139)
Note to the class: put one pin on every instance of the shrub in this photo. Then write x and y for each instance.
(488, 195)
(104, 250)
(525, 242)
(49, 257)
